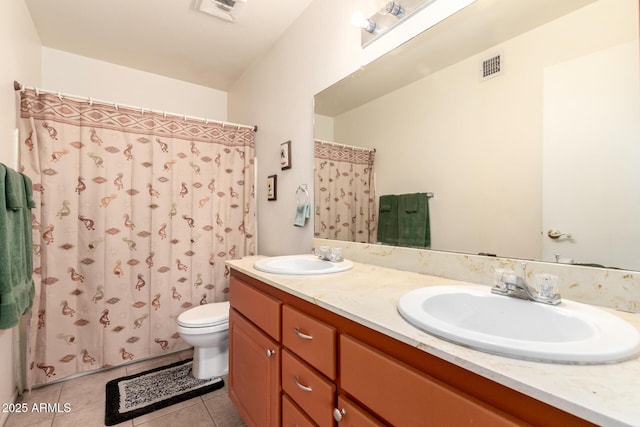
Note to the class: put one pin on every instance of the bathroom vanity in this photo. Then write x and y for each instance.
(307, 350)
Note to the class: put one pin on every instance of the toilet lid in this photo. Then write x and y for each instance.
(205, 315)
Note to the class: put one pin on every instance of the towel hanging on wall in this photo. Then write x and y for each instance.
(413, 220)
(403, 220)
(303, 208)
(16, 264)
(388, 220)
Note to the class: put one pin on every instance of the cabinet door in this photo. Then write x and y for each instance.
(254, 373)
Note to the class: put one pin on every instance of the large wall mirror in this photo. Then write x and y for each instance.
(548, 146)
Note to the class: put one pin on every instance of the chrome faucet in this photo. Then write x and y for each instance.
(512, 285)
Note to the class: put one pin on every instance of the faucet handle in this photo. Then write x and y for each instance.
(546, 286)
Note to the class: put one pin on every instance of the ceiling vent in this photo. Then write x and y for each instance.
(492, 66)
(228, 10)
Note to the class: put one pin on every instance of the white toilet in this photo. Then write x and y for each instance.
(206, 328)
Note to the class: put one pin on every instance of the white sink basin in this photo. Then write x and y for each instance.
(474, 317)
(301, 265)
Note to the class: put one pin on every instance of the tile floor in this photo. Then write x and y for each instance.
(86, 396)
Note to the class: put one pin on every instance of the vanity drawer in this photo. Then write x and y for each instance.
(310, 390)
(312, 340)
(403, 396)
(261, 309)
(292, 416)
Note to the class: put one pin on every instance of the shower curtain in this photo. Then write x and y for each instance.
(345, 201)
(136, 214)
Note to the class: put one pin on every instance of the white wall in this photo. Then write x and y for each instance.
(19, 60)
(276, 93)
(83, 76)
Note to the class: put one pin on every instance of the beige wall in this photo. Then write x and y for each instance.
(83, 76)
(276, 93)
(19, 60)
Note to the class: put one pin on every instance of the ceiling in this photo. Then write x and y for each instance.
(167, 37)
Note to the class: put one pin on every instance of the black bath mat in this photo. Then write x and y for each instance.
(135, 395)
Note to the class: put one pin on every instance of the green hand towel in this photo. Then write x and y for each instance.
(388, 220)
(413, 220)
(16, 265)
(411, 202)
(14, 190)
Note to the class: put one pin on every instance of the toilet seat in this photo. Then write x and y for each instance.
(205, 315)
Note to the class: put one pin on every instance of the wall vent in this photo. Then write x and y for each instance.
(492, 66)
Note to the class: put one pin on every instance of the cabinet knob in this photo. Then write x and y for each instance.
(338, 414)
(270, 353)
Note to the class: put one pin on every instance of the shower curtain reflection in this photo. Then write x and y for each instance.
(136, 213)
(345, 200)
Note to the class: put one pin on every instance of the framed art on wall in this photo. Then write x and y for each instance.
(272, 187)
(285, 155)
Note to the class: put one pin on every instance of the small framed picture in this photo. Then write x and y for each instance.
(285, 155)
(272, 187)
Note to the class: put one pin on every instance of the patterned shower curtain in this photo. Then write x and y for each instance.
(345, 200)
(136, 214)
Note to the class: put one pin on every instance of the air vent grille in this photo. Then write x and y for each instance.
(229, 10)
(492, 66)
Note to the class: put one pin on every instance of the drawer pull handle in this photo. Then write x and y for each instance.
(300, 386)
(302, 335)
(338, 414)
(270, 353)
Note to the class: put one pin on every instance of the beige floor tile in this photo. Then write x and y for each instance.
(192, 416)
(186, 354)
(88, 391)
(165, 411)
(222, 411)
(33, 415)
(43, 423)
(88, 416)
(224, 390)
(152, 363)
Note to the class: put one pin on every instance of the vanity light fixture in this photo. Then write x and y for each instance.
(358, 20)
(395, 12)
(393, 8)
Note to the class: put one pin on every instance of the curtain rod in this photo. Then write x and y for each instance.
(337, 144)
(18, 86)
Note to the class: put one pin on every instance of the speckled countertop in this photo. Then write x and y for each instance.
(607, 395)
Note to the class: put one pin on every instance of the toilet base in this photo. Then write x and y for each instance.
(210, 362)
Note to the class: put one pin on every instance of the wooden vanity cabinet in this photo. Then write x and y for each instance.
(254, 355)
(357, 375)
